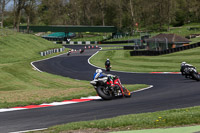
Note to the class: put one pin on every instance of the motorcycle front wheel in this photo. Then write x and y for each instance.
(127, 93)
(104, 93)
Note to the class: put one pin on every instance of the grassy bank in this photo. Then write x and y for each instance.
(122, 61)
(21, 85)
(170, 118)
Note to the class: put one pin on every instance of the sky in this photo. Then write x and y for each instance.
(9, 6)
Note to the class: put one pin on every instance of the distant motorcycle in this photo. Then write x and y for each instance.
(104, 89)
(82, 50)
(190, 71)
(68, 53)
(108, 68)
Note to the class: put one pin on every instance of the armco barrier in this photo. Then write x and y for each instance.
(83, 42)
(155, 53)
(117, 42)
(51, 51)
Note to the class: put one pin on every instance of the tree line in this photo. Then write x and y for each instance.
(126, 15)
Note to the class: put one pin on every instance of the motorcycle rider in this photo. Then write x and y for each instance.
(99, 74)
(185, 65)
(107, 63)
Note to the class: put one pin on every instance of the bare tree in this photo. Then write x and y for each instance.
(29, 9)
(3, 4)
(101, 4)
(18, 6)
(132, 13)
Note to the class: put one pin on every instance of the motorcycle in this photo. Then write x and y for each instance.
(194, 74)
(69, 52)
(82, 50)
(190, 72)
(109, 89)
(108, 68)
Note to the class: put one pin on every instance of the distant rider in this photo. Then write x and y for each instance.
(185, 65)
(107, 63)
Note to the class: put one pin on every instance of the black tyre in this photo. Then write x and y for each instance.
(108, 69)
(187, 76)
(104, 93)
(196, 76)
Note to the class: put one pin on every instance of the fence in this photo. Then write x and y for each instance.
(167, 51)
(134, 47)
(51, 51)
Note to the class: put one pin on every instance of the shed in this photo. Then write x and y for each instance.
(166, 41)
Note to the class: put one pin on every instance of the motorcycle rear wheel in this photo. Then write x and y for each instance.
(196, 76)
(108, 69)
(103, 93)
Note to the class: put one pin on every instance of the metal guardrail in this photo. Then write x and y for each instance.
(51, 51)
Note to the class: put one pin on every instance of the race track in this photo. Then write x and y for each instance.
(170, 91)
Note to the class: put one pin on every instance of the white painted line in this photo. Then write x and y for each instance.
(151, 86)
(91, 57)
(11, 109)
(92, 97)
(43, 60)
(59, 103)
(30, 130)
(124, 71)
(66, 102)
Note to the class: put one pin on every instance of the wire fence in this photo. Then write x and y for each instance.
(159, 44)
(7, 32)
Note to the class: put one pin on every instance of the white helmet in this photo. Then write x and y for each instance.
(183, 63)
(98, 71)
(107, 59)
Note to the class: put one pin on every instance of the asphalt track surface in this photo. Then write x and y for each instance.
(170, 91)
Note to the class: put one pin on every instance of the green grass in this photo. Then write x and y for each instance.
(160, 119)
(184, 30)
(122, 61)
(21, 85)
(195, 40)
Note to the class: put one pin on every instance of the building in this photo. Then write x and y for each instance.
(165, 41)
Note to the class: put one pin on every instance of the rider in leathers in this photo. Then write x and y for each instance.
(99, 74)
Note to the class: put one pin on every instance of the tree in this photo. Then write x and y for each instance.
(3, 4)
(18, 7)
(29, 8)
(101, 6)
(149, 14)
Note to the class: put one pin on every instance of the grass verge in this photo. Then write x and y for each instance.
(160, 119)
(122, 61)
